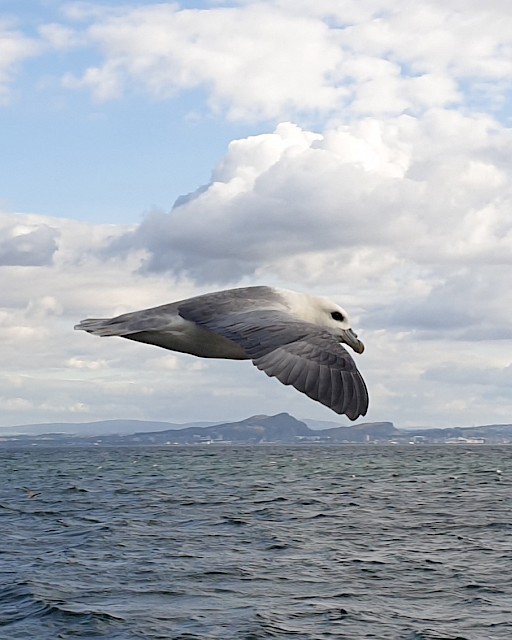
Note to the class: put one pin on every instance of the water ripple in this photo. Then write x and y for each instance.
(311, 543)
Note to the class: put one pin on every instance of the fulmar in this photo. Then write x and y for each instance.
(293, 336)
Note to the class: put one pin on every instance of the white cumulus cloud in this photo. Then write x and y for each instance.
(368, 187)
(15, 47)
(278, 59)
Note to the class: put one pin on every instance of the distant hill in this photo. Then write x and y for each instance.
(280, 428)
(100, 427)
(362, 432)
(320, 424)
(484, 431)
(260, 429)
(254, 430)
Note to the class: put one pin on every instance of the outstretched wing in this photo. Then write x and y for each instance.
(208, 307)
(297, 353)
(322, 368)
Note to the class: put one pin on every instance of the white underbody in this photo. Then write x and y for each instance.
(187, 337)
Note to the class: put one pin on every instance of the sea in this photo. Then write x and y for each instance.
(218, 542)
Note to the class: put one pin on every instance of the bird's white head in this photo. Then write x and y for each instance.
(325, 313)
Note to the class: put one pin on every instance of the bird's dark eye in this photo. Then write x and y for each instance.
(336, 315)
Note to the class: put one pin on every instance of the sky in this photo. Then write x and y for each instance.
(150, 152)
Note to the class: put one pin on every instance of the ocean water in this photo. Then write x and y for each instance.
(256, 543)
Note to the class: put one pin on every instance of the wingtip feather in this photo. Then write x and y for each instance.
(96, 326)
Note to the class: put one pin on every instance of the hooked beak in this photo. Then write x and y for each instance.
(350, 337)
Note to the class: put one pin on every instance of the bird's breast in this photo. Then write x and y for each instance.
(187, 337)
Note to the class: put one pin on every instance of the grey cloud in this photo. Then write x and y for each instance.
(454, 373)
(31, 248)
(466, 304)
(305, 205)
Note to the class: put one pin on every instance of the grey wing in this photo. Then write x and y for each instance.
(295, 352)
(155, 319)
(206, 308)
(322, 368)
(213, 307)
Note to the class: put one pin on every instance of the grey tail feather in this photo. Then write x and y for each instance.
(99, 327)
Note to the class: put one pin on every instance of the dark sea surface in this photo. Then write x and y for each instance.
(256, 543)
